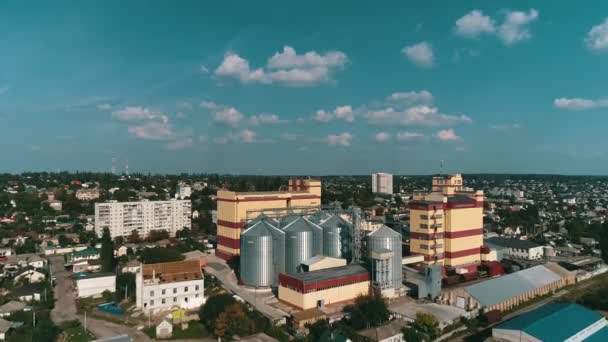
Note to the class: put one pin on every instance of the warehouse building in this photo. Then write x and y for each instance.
(446, 225)
(554, 322)
(503, 293)
(166, 285)
(315, 289)
(515, 248)
(235, 209)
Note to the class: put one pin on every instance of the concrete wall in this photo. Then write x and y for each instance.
(94, 287)
(309, 300)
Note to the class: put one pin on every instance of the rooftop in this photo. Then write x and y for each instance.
(383, 332)
(498, 290)
(97, 275)
(12, 306)
(330, 273)
(554, 321)
(511, 243)
(170, 272)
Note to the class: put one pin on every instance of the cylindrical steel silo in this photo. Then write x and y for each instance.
(384, 239)
(336, 237)
(303, 240)
(256, 256)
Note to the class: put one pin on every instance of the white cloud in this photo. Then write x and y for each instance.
(286, 67)
(473, 24)
(412, 96)
(447, 135)
(505, 127)
(382, 136)
(247, 136)
(579, 103)
(137, 113)
(265, 119)
(408, 135)
(420, 54)
(597, 37)
(185, 105)
(344, 113)
(415, 116)
(204, 69)
(342, 139)
(229, 116)
(515, 26)
(180, 143)
(104, 106)
(289, 136)
(151, 131)
(209, 105)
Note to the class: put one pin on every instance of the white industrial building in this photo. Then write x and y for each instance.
(95, 285)
(515, 248)
(166, 285)
(382, 183)
(122, 218)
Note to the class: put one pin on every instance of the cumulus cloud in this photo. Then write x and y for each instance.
(515, 26)
(204, 69)
(505, 127)
(104, 106)
(265, 119)
(344, 113)
(473, 24)
(408, 136)
(597, 37)
(420, 54)
(151, 130)
(286, 67)
(180, 143)
(209, 105)
(421, 115)
(447, 135)
(247, 136)
(229, 116)
(382, 136)
(137, 113)
(412, 96)
(579, 103)
(342, 139)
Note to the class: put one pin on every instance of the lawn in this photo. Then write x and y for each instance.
(77, 334)
(195, 330)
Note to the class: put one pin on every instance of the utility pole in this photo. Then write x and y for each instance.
(85, 320)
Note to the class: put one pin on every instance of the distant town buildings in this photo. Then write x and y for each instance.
(382, 183)
(183, 191)
(122, 218)
(446, 225)
(87, 194)
(172, 284)
(234, 209)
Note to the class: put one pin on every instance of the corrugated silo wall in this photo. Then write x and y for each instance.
(299, 247)
(257, 267)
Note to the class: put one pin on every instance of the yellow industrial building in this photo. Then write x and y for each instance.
(235, 209)
(446, 224)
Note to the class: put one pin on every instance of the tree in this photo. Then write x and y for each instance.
(212, 309)
(158, 254)
(125, 282)
(157, 235)
(119, 240)
(425, 328)
(64, 241)
(368, 311)
(134, 237)
(575, 230)
(107, 252)
(604, 242)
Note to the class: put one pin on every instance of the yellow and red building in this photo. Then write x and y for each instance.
(446, 225)
(235, 209)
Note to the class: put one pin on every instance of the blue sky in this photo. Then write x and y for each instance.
(275, 88)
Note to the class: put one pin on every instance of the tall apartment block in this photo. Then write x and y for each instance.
(382, 183)
(446, 225)
(234, 209)
(122, 218)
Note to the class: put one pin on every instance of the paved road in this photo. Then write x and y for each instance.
(65, 307)
(219, 269)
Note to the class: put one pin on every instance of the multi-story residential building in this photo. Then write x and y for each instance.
(183, 191)
(122, 218)
(382, 183)
(446, 225)
(234, 209)
(171, 284)
(87, 194)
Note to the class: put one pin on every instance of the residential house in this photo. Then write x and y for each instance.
(28, 292)
(391, 332)
(6, 251)
(5, 326)
(90, 253)
(11, 307)
(164, 329)
(30, 274)
(24, 260)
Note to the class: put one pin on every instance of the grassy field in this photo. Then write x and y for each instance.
(76, 334)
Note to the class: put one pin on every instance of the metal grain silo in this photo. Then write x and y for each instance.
(263, 217)
(319, 217)
(383, 239)
(261, 254)
(303, 240)
(337, 240)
